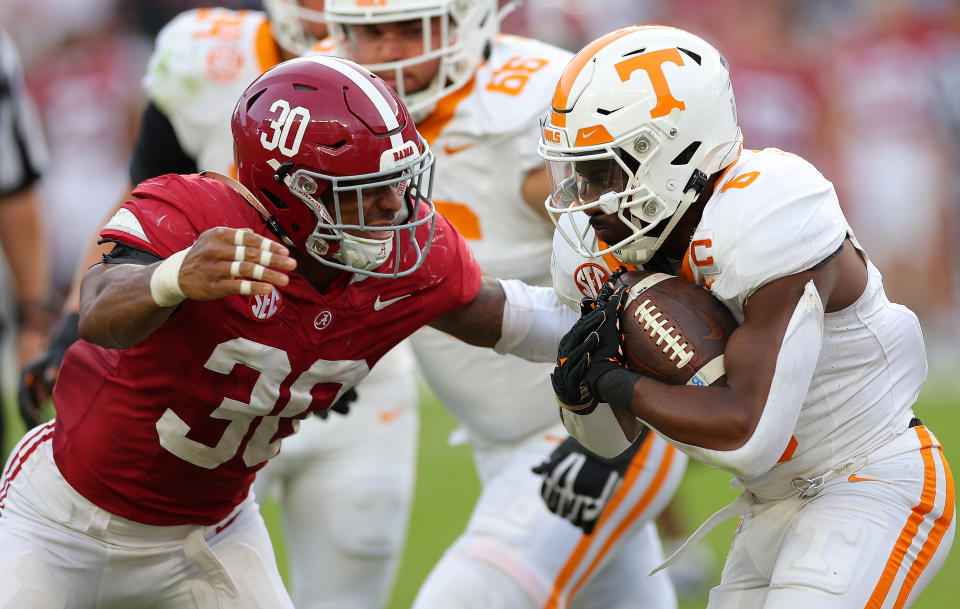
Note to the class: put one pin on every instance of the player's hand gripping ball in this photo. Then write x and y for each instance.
(674, 331)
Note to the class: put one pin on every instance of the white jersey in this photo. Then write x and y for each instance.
(514, 552)
(203, 60)
(485, 138)
(772, 215)
(576, 276)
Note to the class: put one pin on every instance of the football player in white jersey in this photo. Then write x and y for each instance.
(345, 484)
(478, 96)
(848, 500)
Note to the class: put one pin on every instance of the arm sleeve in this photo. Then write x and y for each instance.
(158, 150)
(534, 321)
(126, 254)
(796, 364)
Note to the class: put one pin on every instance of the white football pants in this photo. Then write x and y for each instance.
(59, 551)
(345, 486)
(873, 538)
(516, 554)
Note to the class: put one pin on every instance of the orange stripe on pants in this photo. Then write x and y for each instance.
(651, 492)
(576, 557)
(933, 539)
(912, 526)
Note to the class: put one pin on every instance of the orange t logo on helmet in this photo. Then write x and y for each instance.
(652, 64)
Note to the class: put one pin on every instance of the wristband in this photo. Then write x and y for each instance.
(165, 281)
(34, 315)
(615, 387)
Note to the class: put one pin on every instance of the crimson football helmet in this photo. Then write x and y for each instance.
(641, 118)
(311, 136)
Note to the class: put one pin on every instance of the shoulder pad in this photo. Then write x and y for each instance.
(516, 83)
(168, 213)
(772, 215)
(204, 55)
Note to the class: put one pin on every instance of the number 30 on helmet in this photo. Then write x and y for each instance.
(311, 135)
(641, 118)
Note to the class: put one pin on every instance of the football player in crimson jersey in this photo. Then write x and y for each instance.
(477, 97)
(226, 312)
(848, 500)
(345, 484)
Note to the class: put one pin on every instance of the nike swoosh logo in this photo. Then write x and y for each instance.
(450, 150)
(856, 478)
(587, 134)
(379, 305)
(715, 332)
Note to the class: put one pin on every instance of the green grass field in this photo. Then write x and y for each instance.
(447, 472)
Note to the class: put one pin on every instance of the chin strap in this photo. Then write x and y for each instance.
(242, 190)
(638, 255)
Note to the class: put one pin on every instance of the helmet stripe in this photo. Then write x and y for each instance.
(373, 94)
(576, 65)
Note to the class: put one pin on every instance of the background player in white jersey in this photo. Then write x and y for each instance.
(848, 500)
(345, 484)
(137, 494)
(478, 97)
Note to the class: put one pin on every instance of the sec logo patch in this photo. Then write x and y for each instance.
(589, 277)
(265, 306)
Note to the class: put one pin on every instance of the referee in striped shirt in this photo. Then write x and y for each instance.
(22, 239)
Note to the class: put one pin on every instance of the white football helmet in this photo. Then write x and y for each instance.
(466, 29)
(641, 118)
(295, 27)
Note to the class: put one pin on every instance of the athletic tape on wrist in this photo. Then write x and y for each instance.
(165, 280)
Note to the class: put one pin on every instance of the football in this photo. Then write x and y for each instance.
(674, 331)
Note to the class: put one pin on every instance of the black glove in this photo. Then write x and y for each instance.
(39, 376)
(607, 353)
(577, 484)
(342, 405)
(573, 359)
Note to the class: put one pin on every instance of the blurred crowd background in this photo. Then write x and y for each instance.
(868, 90)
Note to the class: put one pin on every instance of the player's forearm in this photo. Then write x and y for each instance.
(534, 320)
(22, 237)
(117, 309)
(534, 190)
(479, 322)
(708, 417)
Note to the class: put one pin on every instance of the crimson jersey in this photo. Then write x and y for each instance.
(172, 430)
